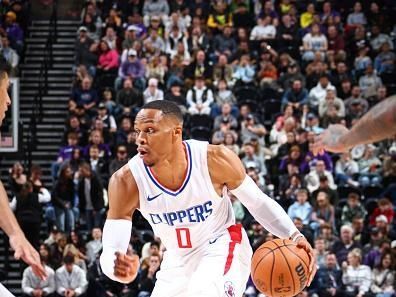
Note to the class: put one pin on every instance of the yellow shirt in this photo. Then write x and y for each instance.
(306, 19)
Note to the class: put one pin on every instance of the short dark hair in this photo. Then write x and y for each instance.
(5, 68)
(168, 108)
(68, 259)
(155, 243)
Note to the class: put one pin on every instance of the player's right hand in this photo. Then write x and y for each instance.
(330, 140)
(126, 267)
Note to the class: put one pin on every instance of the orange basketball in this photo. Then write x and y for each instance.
(279, 268)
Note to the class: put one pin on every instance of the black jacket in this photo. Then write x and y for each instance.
(28, 209)
(96, 193)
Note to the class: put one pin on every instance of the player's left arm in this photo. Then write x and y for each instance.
(226, 168)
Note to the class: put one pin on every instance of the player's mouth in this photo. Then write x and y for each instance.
(142, 152)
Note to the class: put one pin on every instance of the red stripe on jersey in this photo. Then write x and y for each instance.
(236, 237)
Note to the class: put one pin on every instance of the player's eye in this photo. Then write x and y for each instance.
(150, 131)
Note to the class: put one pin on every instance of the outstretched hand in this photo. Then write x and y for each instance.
(303, 243)
(24, 250)
(330, 140)
(126, 267)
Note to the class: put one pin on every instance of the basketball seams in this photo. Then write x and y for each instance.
(272, 270)
(298, 257)
(287, 262)
(262, 257)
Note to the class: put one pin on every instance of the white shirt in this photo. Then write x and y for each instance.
(261, 32)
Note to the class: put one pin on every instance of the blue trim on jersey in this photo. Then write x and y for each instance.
(167, 191)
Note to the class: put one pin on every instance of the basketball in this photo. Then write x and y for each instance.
(279, 268)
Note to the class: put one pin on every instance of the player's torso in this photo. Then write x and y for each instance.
(187, 218)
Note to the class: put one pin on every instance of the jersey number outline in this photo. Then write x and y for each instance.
(183, 238)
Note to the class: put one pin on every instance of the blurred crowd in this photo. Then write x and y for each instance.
(260, 77)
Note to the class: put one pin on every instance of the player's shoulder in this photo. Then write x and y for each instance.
(220, 152)
(122, 178)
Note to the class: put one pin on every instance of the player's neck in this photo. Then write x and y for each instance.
(173, 164)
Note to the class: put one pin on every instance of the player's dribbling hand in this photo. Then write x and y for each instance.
(24, 250)
(126, 267)
(303, 243)
(329, 140)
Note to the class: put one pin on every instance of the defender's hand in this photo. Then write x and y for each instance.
(304, 244)
(126, 267)
(330, 141)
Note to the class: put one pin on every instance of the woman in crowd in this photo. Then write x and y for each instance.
(384, 276)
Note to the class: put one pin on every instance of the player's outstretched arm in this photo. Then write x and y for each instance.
(227, 169)
(377, 124)
(123, 200)
(23, 249)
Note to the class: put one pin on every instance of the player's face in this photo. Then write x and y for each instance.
(155, 135)
(5, 100)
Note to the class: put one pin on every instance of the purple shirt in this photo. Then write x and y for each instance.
(15, 34)
(66, 152)
(134, 69)
(325, 158)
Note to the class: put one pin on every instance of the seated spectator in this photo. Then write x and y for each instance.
(362, 60)
(385, 61)
(378, 39)
(199, 67)
(287, 35)
(223, 71)
(109, 123)
(244, 71)
(383, 276)
(71, 280)
(121, 136)
(94, 31)
(328, 280)
(353, 208)
(148, 276)
(372, 257)
(219, 18)
(85, 95)
(98, 164)
(199, 98)
(251, 128)
(314, 43)
(355, 99)
(131, 35)
(225, 115)
(108, 64)
(71, 250)
(156, 69)
(57, 248)
(17, 178)
(290, 142)
(172, 38)
(152, 91)
(370, 168)
(96, 138)
(320, 251)
(120, 160)
(317, 94)
(230, 141)
(345, 170)
(322, 213)
(385, 208)
(355, 276)
(10, 55)
(155, 8)
(108, 101)
(14, 31)
(307, 17)
(224, 128)
(251, 159)
(85, 51)
(94, 246)
(176, 95)
(79, 122)
(313, 177)
(155, 41)
(129, 99)
(90, 195)
(34, 286)
(305, 230)
(311, 158)
(294, 162)
(336, 44)
(301, 208)
(296, 95)
(344, 244)
(369, 82)
(198, 40)
(356, 17)
(133, 68)
(264, 30)
(331, 100)
(324, 186)
(62, 197)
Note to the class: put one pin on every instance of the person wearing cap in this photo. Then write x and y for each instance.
(85, 49)
(14, 31)
(251, 128)
(152, 91)
(353, 100)
(199, 98)
(133, 68)
(109, 123)
(312, 123)
(175, 94)
(130, 36)
(385, 227)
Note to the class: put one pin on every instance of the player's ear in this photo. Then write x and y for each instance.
(177, 132)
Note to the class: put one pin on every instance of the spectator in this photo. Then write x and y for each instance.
(331, 100)
(121, 136)
(225, 116)
(264, 30)
(320, 252)
(251, 128)
(156, 41)
(131, 35)
(345, 170)
(307, 17)
(172, 40)
(230, 141)
(385, 61)
(120, 160)
(199, 98)
(378, 39)
(223, 129)
(132, 68)
(108, 63)
(223, 71)
(71, 250)
(323, 212)
(129, 99)
(107, 100)
(385, 208)
(362, 60)
(318, 93)
(344, 244)
(356, 17)
(111, 38)
(63, 199)
(314, 44)
(370, 168)
(383, 277)
(198, 40)
(355, 99)
(17, 178)
(57, 248)
(85, 95)
(219, 18)
(90, 194)
(85, 49)
(33, 286)
(296, 95)
(14, 31)
(70, 279)
(148, 276)
(251, 159)
(155, 8)
(328, 279)
(96, 138)
(324, 186)
(370, 82)
(244, 72)
(152, 91)
(287, 35)
(10, 55)
(109, 123)
(312, 179)
(301, 208)
(94, 31)
(352, 209)
(97, 163)
(94, 246)
(176, 95)
(355, 276)
(200, 67)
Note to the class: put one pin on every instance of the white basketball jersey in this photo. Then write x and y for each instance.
(187, 218)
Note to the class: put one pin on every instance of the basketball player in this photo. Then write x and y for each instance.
(23, 249)
(180, 187)
(377, 124)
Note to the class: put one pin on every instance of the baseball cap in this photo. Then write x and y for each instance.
(82, 28)
(381, 218)
(311, 115)
(133, 28)
(132, 52)
(102, 106)
(251, 164)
